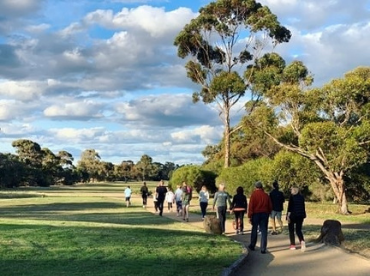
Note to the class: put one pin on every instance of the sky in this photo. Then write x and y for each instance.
(104, 74)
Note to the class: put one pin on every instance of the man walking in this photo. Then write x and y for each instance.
(220, 200)
(260, 207)
(277, 200)
(161, 195)
(128, 193)
(144, 194)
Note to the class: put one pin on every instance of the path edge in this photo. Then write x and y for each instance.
(238, 263)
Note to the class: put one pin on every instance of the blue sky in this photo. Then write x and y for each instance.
(104, 74)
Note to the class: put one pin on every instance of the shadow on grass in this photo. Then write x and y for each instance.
(18, 195)
(50, 250)
(69, 212)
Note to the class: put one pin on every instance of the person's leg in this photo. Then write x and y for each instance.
(253, 242)
(273, 223)
(241, 219)
(202, 208)
(291, 233)
(187, 212)
(222, 217)
(159, 207)
(280, 221)
(236, 215)
(263, 223)
(298, 229)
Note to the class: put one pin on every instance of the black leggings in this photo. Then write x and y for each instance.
(297, 222)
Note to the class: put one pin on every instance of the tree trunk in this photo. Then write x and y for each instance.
(338, 186)
(227, 137)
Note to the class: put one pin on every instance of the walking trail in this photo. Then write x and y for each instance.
(318, 259)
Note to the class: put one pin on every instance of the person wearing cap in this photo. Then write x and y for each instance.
(277, 199)
(260, 207)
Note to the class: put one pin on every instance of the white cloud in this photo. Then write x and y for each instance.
(74, 110)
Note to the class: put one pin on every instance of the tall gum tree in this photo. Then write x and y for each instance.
(221, 41)
(329, 125)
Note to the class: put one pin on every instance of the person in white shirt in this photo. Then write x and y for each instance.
(128, 193)
(170, 198)
(178, 199)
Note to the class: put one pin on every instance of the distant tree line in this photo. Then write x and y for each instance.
(33, 165)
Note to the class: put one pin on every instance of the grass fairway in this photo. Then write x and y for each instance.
(87, 230)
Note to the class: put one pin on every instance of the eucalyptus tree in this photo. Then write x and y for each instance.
(226, 37)
(329, 125)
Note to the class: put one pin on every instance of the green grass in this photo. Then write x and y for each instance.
(330, 211)
(86, 230)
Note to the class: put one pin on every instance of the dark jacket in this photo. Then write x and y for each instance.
(277, 199)
(296, 206)
(161, 193)
(239, 201)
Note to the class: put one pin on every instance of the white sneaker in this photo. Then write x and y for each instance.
(303, 246)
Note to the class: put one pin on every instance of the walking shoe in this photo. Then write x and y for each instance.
(263, 251)
(303, 246)
(251, 247)
(274, 233)
(241, 232)
(237, 232)
(292, 247)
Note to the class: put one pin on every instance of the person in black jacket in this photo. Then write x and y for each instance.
(295, 216)
(239, 206)
(277, 199)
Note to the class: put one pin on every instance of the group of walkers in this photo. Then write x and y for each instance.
(261, 207)
(181, 197)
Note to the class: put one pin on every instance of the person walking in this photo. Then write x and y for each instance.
(220, 200)
(260, 207)
(203, 200)
(144, 194)
(239, 206)
(170, 198)
(128, 193)
(187, 195)
(277, 200)
(161, 195)
(178, 199)
(295, 217)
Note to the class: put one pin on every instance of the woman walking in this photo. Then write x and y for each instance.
(203, 200)
(239, 206)
(295, 216)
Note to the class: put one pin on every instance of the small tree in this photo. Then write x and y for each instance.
(225, 37)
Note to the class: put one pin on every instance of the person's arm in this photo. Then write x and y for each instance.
(215, 200)
(229, 200)
(290, 208)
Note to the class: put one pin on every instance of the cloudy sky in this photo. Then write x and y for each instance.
(104, 74)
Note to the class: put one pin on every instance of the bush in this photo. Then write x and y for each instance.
(246, 175)
(195, 177)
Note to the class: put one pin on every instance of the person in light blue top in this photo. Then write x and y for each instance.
(128, 193)
(203, 200)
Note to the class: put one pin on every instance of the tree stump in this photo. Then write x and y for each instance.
(212, 225)
(331, 233)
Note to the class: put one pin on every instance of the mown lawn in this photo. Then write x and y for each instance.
(87, 231)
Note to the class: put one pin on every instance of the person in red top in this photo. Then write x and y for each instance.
(260, 207)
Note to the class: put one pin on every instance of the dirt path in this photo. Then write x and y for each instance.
(317, 260)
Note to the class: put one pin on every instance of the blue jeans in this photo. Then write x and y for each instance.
(260, 220)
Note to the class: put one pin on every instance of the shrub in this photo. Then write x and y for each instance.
(195, 177)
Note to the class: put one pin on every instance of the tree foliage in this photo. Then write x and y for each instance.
(195, 177)
(226, 36)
